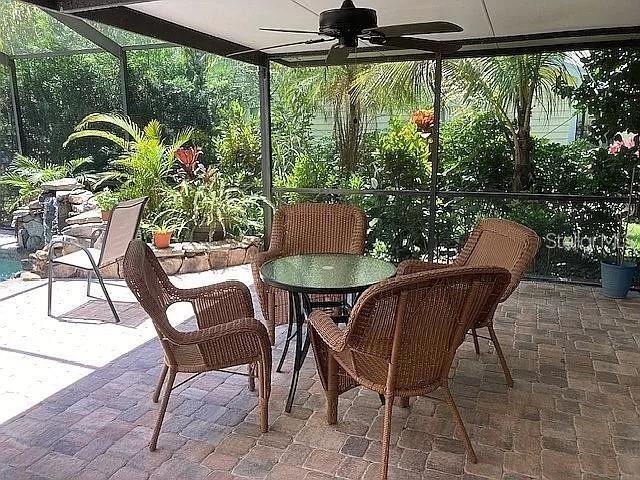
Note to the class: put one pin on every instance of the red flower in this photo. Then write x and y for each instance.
(423, 120)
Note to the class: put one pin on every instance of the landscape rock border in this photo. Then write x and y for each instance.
(77, 219)
(179, 258)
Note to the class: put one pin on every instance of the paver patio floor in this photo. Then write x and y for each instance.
(79, 392)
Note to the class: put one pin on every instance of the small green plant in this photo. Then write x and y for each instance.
(163, 224)
(107, 200)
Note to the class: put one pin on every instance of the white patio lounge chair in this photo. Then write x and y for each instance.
(120, 230)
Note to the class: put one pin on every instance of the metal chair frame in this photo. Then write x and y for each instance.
(95, 267)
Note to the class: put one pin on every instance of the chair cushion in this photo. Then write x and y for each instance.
(79, 259)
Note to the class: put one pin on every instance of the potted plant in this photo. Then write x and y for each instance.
(107, 201)
(617, 276)
(161, 236)
(163, 227)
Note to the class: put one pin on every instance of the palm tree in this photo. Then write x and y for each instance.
(145, 162)
(508, 87)
(333, 89)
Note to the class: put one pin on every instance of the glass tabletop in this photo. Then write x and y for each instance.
(327, 273)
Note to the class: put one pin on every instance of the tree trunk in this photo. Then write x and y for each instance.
(522, 172)
(349, 132)
(522, 168)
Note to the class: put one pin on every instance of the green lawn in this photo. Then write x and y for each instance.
(633, 236)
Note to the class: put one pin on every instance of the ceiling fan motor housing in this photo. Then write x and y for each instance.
(347, 23)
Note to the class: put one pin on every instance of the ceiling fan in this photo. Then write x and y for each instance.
(349, 25)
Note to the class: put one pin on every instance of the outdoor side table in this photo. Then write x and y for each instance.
(302, 275)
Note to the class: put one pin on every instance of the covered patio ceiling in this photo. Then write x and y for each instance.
(490, 27)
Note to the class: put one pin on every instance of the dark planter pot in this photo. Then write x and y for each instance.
(205, 234)
(617, 279)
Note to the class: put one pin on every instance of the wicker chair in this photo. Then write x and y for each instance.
(493, 242)
(403, 335)
(227, 333)
(306, 228)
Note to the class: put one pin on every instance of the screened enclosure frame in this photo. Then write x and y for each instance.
(103, 44)
(116, 14)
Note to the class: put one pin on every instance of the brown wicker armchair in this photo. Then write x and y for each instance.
(403, 335)
(493, 242)
(306, 228)
(227, 333)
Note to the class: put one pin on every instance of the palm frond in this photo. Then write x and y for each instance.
(395, 86)
(153, 130)
(121, 142)
(122, 122)
(182, 137)
(77, 163)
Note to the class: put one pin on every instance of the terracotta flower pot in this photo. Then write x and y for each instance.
(161, 239)
(106, 215)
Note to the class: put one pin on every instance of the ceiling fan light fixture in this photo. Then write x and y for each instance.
(350, 19)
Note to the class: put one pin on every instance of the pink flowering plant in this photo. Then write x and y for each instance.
(626, 146)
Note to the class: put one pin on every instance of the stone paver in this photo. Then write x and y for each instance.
(572, 414)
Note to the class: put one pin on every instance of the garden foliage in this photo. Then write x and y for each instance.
(183, 98)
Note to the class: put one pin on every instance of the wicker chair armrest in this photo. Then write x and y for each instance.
(325, 327)
(218, 303)
(233, 328)
(407, 267)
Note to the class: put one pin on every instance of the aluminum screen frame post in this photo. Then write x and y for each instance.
(123, 77)
(14, 98)
(435, 160)
(266, 153)
(105, 43)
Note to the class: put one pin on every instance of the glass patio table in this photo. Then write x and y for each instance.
(302, 275)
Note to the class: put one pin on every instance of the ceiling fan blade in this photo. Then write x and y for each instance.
(286, 30)
(338, 54)
(305, 42)
(416, 44)
(415, 29)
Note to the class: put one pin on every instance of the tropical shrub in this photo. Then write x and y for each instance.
(144, 162)
(208, 202)
(400, 223)
(26, 175)
(238, 147)
(562, 168)
(476, 155)
(401, 157)
(399, 161)
(310, 173)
